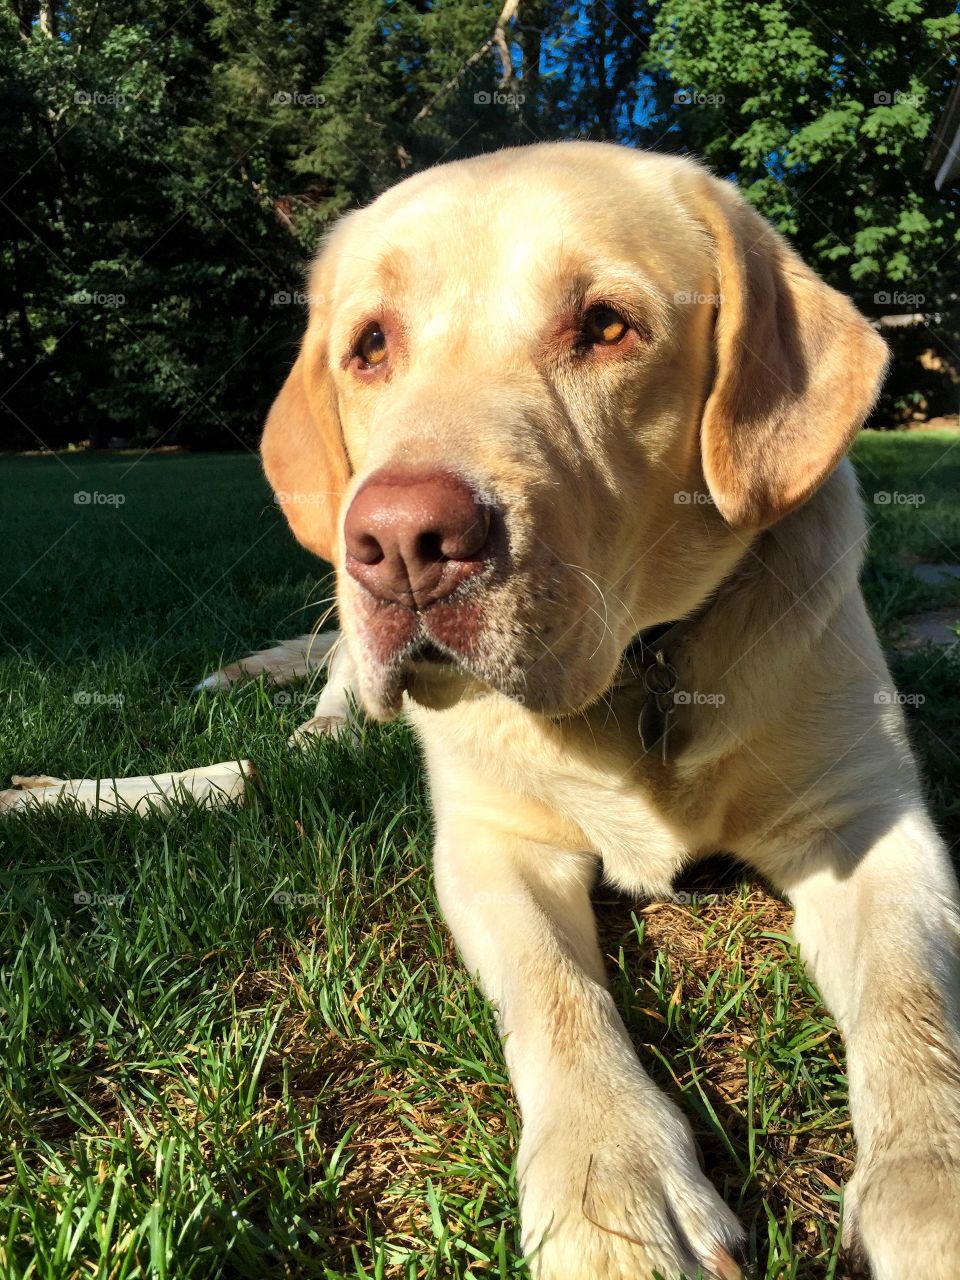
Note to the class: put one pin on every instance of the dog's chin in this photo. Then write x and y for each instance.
(439, 680)
(432, 677)
(467, 649)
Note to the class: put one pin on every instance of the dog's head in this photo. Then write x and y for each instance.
(545, 399)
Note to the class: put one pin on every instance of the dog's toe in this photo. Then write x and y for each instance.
(325, 726)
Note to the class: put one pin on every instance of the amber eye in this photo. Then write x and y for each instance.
(604, 326)
(372, 347)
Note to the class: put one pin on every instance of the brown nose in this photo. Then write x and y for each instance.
(413, 538)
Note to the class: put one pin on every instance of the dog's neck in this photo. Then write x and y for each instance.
(796, 573)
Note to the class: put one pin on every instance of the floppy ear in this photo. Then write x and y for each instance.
(797, 369)
(304, 457)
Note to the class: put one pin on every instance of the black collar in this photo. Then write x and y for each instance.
(647, 659)
(658, 639)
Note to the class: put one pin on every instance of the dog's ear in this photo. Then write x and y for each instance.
(304, 456)
(797, 369)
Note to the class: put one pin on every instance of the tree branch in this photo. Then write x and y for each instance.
(497, 40)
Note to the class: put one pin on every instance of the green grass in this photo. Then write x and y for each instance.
(199, 1080)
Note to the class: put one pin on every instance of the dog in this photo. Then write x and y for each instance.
(570, 421)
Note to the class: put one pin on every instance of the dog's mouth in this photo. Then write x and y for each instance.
(496, 640)
(432, 675)
(435, 655)
(449, 633)
(431, 655)
(444, 655)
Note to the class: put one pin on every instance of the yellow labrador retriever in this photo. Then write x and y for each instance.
(569, 422)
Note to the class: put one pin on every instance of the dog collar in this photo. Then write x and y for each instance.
(647, 654)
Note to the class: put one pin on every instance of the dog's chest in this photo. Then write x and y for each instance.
(595, 788)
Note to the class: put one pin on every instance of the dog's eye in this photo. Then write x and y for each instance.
(372, 347)
(604, 326)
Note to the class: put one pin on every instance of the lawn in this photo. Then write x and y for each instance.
(201, 1078)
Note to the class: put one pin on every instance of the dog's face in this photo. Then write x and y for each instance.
(545, 400)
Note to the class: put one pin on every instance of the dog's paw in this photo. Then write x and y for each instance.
(901, 1216)
(626, 1210)
(323, 727)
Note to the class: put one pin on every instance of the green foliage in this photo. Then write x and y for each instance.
(168, 173)
(825, 116)
(170, 178)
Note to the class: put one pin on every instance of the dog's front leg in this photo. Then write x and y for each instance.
(609, 1181)
(877, 920)
(336, 710)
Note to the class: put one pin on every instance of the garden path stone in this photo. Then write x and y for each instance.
(936, 626)
(935, 575)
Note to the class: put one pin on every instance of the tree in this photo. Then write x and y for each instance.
(170, 176)
(171, 179)
(824, 115)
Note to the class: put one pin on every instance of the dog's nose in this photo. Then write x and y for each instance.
(412, 539)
